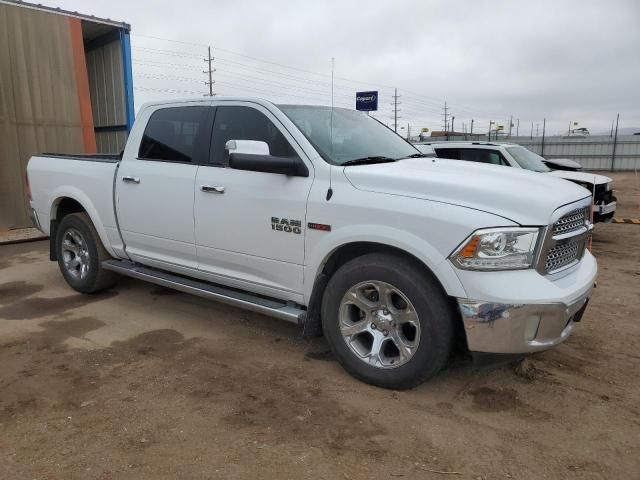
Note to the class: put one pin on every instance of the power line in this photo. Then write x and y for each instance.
(170, 53)
(420, 106)
(166, 90)
(153, 63)
(421, 98)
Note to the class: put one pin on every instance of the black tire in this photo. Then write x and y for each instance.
(429, 301)
(96, 278)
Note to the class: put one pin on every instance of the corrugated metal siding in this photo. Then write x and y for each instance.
(39, 107)
(111, 142)
(106, 84)
(593, 153)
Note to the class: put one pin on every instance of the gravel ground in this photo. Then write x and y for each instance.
(144, 383)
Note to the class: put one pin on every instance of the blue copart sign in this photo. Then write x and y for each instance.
(367, 101)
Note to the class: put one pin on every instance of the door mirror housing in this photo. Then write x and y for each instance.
(249, 147)
(291, 166)
(254, 156)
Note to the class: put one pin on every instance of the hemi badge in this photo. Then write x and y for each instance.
(319, 226)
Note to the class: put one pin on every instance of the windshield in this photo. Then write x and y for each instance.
(527, 159)
(355, 134)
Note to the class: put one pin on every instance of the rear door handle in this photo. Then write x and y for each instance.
(212, 189)
(131, 179)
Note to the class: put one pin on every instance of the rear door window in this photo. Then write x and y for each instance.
(482, 155)
(452, 153)
(177, 134)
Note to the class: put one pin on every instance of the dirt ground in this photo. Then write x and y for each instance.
(145, 383)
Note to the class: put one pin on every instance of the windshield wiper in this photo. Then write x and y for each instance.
(368, 161)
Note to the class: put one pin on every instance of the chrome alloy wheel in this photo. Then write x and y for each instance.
(75, 254)
(379, 324)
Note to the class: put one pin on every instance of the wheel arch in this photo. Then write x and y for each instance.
(68, 202)
(348, 251)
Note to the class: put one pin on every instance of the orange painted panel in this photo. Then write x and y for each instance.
(82, 82)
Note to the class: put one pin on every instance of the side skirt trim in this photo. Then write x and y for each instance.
(274, 308)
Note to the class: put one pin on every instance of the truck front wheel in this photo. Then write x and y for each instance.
(387, 322)
(81, 253)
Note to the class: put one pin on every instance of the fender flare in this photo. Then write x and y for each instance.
(401, 240)
(83, 199)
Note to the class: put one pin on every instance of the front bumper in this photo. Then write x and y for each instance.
(603, 209)
(523, 311)
(517, 328)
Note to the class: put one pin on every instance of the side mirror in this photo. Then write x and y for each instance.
(253, 155)
(249, 147)
(291, 166)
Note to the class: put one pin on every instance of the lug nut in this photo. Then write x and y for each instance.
(385, 333)
(373, 326)
(386, 312)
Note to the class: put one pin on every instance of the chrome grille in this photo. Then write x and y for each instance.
(562, 255)
(565, 241)
(573, 220)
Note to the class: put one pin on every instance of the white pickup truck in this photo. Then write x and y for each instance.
(326, 218)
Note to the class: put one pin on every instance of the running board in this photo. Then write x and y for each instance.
(273, 308)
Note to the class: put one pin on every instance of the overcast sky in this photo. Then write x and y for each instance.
(563, 60)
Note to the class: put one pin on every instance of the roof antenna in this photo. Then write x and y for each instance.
(330, 191)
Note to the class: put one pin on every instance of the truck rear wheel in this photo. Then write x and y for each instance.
(387, 322)
(81, 253)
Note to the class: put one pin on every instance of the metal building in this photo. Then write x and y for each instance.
(65, 86)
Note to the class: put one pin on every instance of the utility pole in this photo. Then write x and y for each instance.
(537, 129)
(209, 71)
(517, 127)
(471, 127)
(408, 132)
(395, 110)
(615, 143)
(510, 125)
(445, 116)
(531, 136)
(544, 129)
(489, 134)
(453, 119)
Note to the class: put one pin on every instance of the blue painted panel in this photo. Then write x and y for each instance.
(128, 77)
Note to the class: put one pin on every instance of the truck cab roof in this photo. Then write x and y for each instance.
(204, 100)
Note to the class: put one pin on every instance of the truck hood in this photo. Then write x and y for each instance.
(582, 177)
(524, 197)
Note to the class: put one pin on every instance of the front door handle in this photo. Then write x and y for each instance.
(212, 189)
(131, 179)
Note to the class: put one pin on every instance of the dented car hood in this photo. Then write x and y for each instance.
(582, 177)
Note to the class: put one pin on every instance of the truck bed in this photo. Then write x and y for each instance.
(93, 157)
(87, 179)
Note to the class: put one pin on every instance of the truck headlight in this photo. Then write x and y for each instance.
(497, 249)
